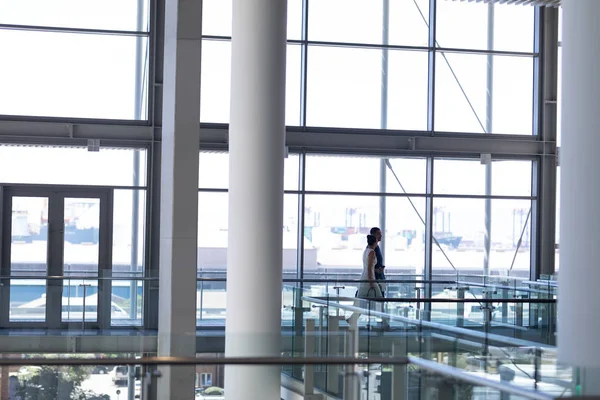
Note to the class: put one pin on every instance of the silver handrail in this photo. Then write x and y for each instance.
(182, 361)
(431, 366)
(435, 325)
(475, 380)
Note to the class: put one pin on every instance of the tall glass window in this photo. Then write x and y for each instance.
(365, 65)
(470, 209)
(74, 59)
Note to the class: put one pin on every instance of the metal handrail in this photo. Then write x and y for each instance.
(167, 361)
(78, 278)
(475, 380)
(436, 300)
(488, 337)
(513, 288)
(430, 366)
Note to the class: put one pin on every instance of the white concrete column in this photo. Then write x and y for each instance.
(579, 275)
(179, 195)
(256, 156)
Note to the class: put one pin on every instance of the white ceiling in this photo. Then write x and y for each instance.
(552, 3)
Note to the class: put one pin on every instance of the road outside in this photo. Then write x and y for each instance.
(102, 384)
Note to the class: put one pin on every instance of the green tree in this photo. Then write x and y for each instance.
(54, 383)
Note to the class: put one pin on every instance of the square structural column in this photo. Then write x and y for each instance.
(256, 160)
(578, 306)
(179, 195)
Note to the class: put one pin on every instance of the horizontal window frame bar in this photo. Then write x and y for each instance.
(60, 187)
(75, 121)
(314, 140)
(487, 52)
(391, 194)
(84, 31)
(460, 50)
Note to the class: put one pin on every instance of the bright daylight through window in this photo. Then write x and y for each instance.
(359, 64)
(353, 66)
(430, 119)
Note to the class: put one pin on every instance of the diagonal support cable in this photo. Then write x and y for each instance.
(520, 241)
(460, 86)
(389, 165)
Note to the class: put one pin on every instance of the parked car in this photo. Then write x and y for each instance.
(211, 392)
(100, 370)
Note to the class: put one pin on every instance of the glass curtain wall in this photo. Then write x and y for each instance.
(344, 196)
(76, 59)
(436, 66)
(422, 65)
(65, 170)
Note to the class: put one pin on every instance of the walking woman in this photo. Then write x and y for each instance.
(369, 289)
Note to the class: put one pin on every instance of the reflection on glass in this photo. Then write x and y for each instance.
(129, 216)
(129, 210)
(211, 302)
(27, 300)
(79, 301)
(107, 167)
(346, 93)
(126, 306)
(81, 251)
(461, 94)
(65, 86)
(81, 235)
(28, 255)
(29, 234)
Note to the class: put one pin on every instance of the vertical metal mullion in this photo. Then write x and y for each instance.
(151, 58)
(135, 226)
(157, 56)
(304, 64)
(489, 118)
(139, 74)
(432, 42)
(55, 261)
(298, 304)
(429, 232)
(538, 70)
(5, 234)
(545, 183)
(105, 259)
(385, 39)
(148, 250)
(536, 245)
(152, 238)
(301, 216)
(538, 168)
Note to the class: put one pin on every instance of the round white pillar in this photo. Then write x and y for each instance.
(579, 275)
(256, 160)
